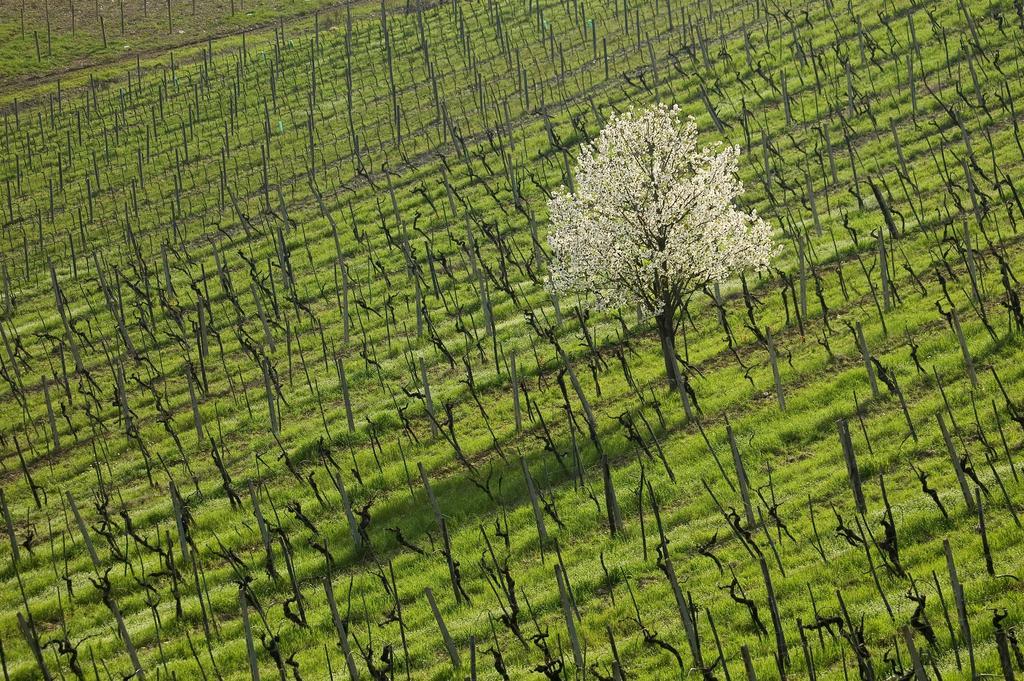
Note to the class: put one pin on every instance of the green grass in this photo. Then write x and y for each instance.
(199, 133)
(45, 42)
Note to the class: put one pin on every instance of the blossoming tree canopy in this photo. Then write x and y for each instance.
(652, 220)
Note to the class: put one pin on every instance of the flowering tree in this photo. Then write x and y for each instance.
(652, 220)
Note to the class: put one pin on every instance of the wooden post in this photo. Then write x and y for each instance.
(782, 650)
(274, 426)
(957, 466)
(342, 629)
(538, 514)
(10, 529)
(50, 417)
(748, 664)
(449, 644)
(254, 667)
(85, 533)
(961, 607)
(968, 360)
(866, 356)
(570, 625)
(33, 644)
(684, 610)
(883, 267)
(196, 418)
(773, 357)
(851, 465)
(345, 395)
(264, 530)
(812, 674)
(1004, 655)
(741, 474)
(983, 531)
(427, 397)
(915, 656)
(948, 621)
(515, 394)
(179, 521)
(453, 572)
(430, 495)
(346, 503)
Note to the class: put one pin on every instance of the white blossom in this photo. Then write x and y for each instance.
(652, 218)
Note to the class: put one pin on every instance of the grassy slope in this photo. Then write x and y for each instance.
(800, 447)
(31, 52)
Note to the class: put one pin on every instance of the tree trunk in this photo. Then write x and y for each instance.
(666, 331)
(664, 324)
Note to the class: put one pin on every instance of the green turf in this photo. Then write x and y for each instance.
(202, 159)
